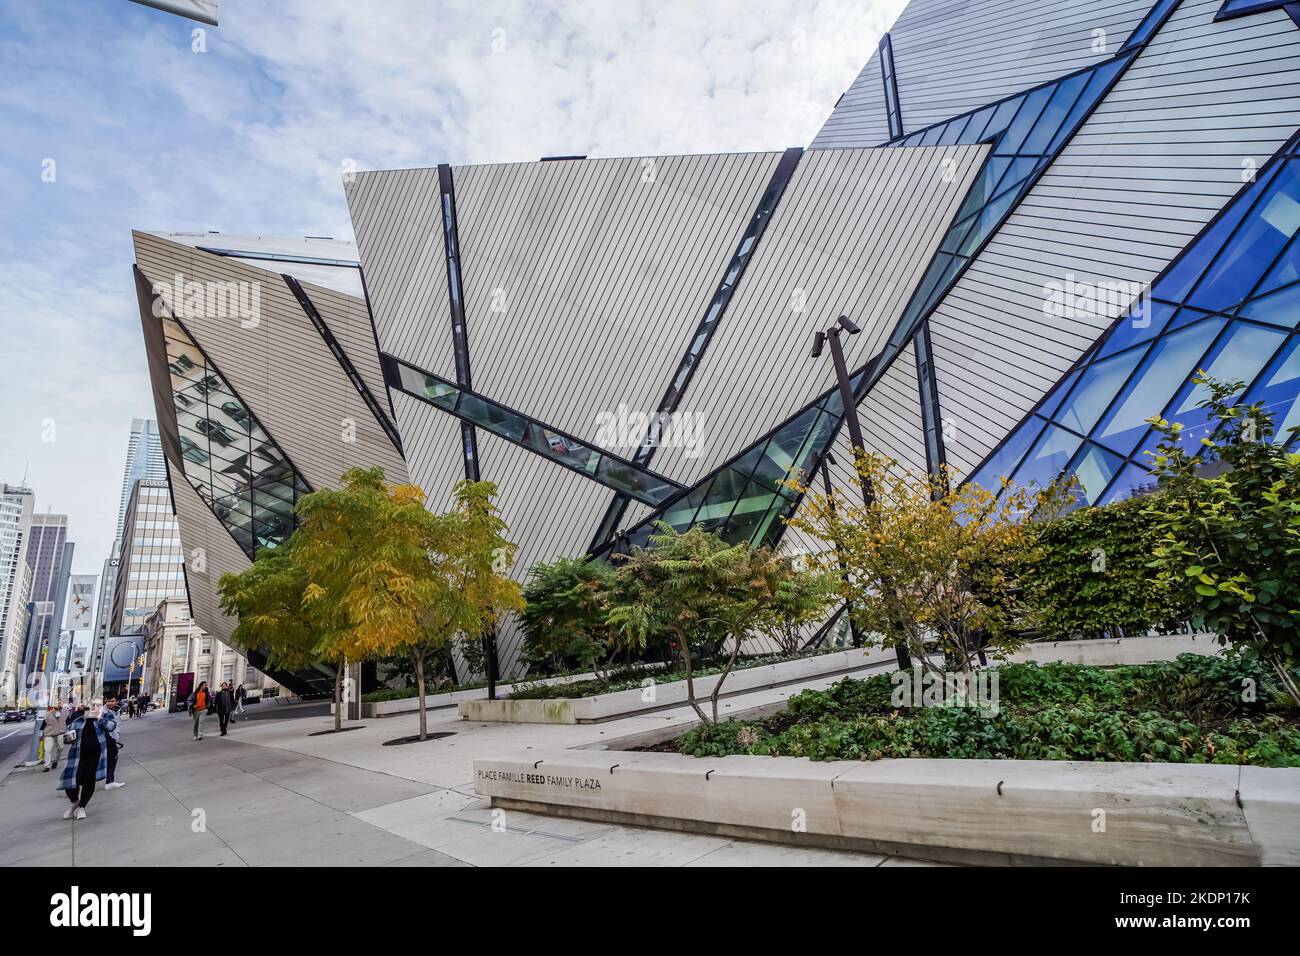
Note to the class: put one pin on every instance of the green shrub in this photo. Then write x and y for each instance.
(1087, 574)
(1187, 711)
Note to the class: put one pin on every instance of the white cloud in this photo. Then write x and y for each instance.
(251, 137)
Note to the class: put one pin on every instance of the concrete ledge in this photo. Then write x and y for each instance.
(583, 710)
(1117, 651)
(409, 705)
(994, 811)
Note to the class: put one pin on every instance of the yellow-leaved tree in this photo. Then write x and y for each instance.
(928, 564)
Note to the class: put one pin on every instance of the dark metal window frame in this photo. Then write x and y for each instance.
(1291, 7)
(455, 295)
(175, 438)
(392, 367)
(345, 363)
(1151, 24)
(280, 257)
(889, 77)
(708, 326)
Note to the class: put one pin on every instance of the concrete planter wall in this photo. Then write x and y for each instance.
(980, 811)
(410, 705)
(1123, 650)
(583, 710)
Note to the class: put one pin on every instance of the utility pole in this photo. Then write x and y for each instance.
(831, 337)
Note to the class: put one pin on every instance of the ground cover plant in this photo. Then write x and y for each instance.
(1196, 709)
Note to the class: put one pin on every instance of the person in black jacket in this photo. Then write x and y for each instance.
(225, 705)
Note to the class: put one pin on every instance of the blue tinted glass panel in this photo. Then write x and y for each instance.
(1278, 390)
(1005, 459)
(1238, 357)
(1133, 480)
(1147, 28)
(1097, 83)
(1094, 468)
(1048, 408)
(1024, 122)
(1280, 308)
(974, 131)
(1097, 386)
(1286, 270)
(1177, 282)
(1144, 322)
(1167, 367)
(1058, 107)
(1048, 458)
(1252, 250)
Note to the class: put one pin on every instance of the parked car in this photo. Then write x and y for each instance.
(13, 716)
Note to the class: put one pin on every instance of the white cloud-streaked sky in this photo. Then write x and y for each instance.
(252, 136)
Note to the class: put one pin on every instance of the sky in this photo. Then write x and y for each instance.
(115, 116)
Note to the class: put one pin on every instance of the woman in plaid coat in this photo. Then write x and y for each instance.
(87, 759)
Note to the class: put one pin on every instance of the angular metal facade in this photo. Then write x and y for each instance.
(621, 341)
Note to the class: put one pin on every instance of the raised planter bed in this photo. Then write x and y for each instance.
(972, 811)
(1121, 650)
(586, 710)
(410, 705)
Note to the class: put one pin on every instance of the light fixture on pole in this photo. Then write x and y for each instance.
(831, 336)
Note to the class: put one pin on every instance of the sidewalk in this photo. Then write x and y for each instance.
(269, 794)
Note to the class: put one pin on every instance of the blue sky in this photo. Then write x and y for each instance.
(252, 135)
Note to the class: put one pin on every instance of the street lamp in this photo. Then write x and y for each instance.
(831, 336)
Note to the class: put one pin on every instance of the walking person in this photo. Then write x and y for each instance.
(240, 695)
(113, 735)
(54, 727)
(198, 705)
(87, 761)
(225, 705)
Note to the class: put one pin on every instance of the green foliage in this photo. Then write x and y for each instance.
(1187, 711)
(1228, 528)
(694, 587)
(565, 622)
(1087, 576)
(929, 564)
(802, 598)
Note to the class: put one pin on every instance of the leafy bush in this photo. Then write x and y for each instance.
(1192, 710)
(1229, 527)
(1087, 574)
(564, 622)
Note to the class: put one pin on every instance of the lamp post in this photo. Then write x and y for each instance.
(831, 337)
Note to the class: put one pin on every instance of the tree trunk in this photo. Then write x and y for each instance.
(419, 683)
(717, 688)
(1288, 680)
(338, 696)
(690, 680)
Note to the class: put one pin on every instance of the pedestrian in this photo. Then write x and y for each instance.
(87, 761)
(225, 705)
(53, 729)
(130, 706)
(113, 735)
(144, 704)
(240, 695)
(198, 705)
